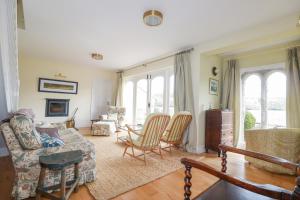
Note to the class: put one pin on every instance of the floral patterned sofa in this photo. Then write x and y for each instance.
(27, 167)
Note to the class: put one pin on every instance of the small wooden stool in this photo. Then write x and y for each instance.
(59, 161)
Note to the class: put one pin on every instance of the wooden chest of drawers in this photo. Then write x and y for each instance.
(218, 129)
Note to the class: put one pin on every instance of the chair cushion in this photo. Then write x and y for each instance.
(136, 140)
(25, 132)
(48, 141)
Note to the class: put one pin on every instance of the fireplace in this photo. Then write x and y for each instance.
(57, 107)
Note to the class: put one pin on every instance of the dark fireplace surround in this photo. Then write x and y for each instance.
(57, 107)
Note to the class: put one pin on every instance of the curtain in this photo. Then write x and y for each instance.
(230, 95)
(119, 94)
(183, 96)
(9, 53)
(293, 88)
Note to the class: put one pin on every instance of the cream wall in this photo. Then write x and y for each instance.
(154, 66)
(201, 65)
(31, 69)
(259, 58)
(245, 41)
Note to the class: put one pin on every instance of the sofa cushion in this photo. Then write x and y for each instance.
(48, 141)
(25, 132)
(52, 132)
(10, 138)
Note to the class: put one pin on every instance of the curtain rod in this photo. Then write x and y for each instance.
(159, 59)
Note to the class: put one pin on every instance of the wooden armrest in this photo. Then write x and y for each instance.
(133, 131)
(263, 189)
(272, 159)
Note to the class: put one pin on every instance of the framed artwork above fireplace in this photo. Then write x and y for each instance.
(57, 107)
(57, 86)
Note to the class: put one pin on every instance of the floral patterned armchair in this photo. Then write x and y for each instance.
(115, 114)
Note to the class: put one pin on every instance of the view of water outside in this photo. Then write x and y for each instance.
(252, 97)
(276, 99)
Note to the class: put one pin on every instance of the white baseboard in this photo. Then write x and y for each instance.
(82, 123)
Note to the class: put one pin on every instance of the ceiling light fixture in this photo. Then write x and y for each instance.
(153, 18)
(97, 56)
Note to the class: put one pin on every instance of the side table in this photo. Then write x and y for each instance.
(59, 162)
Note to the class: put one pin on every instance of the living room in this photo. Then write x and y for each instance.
(119, 100)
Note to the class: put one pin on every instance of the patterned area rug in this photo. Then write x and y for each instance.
(116, 175)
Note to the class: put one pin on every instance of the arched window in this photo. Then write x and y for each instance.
(264, 96)
(252, 97)
(147, 93)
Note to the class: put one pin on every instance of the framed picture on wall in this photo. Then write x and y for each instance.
(213, 86)
(57, 86)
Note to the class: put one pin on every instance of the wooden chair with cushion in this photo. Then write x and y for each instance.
(174, 132)
(149, 137)
(229, 187)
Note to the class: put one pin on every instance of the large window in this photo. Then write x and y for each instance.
(141, 101)
(264, 99)
(128, 101)
(148, 93)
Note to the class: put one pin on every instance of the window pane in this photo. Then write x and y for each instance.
(128, 101)
(171, 97)
(141, 101)
(157, 95)
(252, 101)
(276, 98)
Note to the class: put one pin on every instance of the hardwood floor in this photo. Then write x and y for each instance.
(170, 187)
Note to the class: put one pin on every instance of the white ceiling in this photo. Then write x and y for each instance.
(69, 30)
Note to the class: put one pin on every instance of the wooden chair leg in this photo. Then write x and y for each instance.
(76, 176)
(132, 151)
(145, 157)
(160, 152)
(125, 150)
(63, 184)
(40, 183)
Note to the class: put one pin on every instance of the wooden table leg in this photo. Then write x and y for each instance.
(76, 176)
(40, 183)
(63, 184)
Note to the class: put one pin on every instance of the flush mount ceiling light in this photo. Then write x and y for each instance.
(97, 56)
(153, 18)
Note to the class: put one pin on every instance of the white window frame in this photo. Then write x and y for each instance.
(166, 73)
(263, 72)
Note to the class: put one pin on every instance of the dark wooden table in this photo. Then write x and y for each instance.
(59, 162)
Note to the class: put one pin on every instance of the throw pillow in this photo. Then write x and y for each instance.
(49, 141)
(25, 111)
(25, 132)
(52, 132)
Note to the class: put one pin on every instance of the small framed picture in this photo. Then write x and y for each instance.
(213, 86)
(57, 86)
